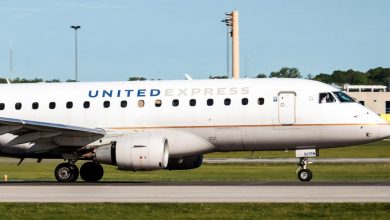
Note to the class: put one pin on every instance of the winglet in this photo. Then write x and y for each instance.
(8, 82)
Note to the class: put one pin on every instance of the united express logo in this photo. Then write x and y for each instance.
(109, 93)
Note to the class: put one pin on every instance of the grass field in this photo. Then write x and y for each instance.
(212, 172)
(379, 149)
(197, 211)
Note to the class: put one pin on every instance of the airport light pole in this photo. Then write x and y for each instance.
(231, 22)
(228, 23)
(75, 48)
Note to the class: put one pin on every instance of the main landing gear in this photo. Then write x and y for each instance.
(68, 172)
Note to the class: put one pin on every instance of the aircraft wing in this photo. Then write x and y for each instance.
(60, 134)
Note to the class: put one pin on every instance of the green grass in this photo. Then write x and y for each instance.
(379, 149)
(212, 172)
(196, 211)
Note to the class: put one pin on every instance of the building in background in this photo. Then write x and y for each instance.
(374, 97)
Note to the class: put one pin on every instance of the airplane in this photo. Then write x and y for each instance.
(171, 124)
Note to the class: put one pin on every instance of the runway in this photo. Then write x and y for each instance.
(293, 160)
(168, 192)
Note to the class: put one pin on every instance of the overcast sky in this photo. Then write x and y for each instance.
(166, 39)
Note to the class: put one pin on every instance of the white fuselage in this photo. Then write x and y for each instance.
(201, 116)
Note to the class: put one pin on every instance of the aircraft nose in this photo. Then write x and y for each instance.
(384, 131)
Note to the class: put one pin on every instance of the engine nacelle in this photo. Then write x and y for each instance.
(185, 163)
(140, 151)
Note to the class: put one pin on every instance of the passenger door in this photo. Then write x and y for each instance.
(286, 107)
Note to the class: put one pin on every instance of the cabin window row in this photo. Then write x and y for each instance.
(141, 103)
(209, 102)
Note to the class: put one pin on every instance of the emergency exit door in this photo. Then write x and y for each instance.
(286, 107)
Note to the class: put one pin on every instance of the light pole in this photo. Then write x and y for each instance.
(231, 22)
(228, 22)
(75, 48)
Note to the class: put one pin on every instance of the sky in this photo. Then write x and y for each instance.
(165, 39)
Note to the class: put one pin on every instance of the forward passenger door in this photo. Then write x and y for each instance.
(286, 107)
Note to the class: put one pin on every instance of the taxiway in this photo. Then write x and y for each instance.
(195, 192)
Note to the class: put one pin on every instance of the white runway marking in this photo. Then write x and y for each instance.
(196, 193)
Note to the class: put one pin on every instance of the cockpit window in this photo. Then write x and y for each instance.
(326, 97)
(343, 97)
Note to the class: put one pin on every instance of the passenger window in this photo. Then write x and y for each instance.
(192, 102)
(69, 105)
(86, 104)
(158, 103)
(260, 101)
(18, 106)
(210, 102)
(141, 103)
(35, 105)
(244, 101)
(227, 101)
(106, 104)
(175, 102)
(52, 105)
(326, 97)
(123, 103)
(2, 106)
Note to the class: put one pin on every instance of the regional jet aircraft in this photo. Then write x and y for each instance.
(152, 125)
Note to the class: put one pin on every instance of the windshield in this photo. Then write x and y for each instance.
(343, 97)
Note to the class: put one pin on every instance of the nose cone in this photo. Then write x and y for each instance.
(384, 131)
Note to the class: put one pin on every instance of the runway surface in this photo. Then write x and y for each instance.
(294, 160)
(195, 192)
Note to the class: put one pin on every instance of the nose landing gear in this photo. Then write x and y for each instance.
(304, 174)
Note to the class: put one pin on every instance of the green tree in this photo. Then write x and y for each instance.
(261, 75)
(3, 81)
(137, 78)
(218, 77)
(53, 81)
(379, 75)
(286, 72)
(323, 77)
(350, 76)
(23, 80)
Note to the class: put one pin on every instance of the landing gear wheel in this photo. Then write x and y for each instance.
(91, 172)
(66, 172)
(305, 175)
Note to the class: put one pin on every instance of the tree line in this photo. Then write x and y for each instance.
(376, 76)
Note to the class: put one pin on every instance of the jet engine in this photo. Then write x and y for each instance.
(139, 151)
(185, 163)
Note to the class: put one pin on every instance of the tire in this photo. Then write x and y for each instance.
(91, 172)
(305, 175)
(66, 172)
